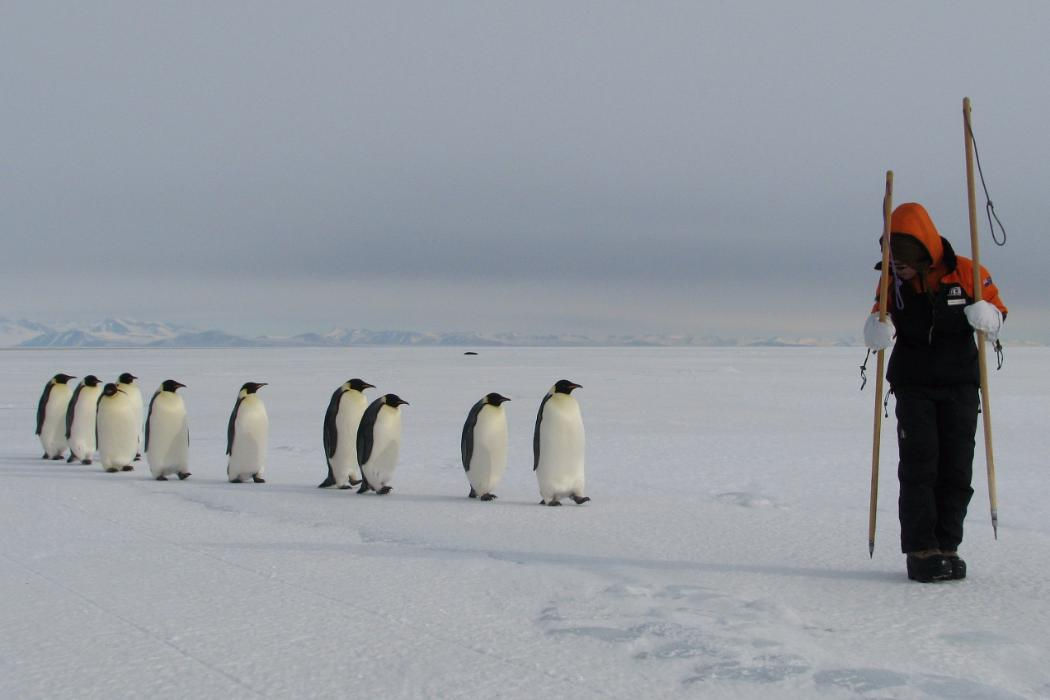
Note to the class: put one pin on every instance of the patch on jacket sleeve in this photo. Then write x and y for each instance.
(987, 281)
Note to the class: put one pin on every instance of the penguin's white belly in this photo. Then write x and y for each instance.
(250, 434)
(386, 443)
(82, 431)
(344, 461)
(560, 467)
(489, 459)
(117, 432)
(53, 431)
(132, 390)
(168, 451)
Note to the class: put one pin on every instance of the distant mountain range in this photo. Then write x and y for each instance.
(122, 333)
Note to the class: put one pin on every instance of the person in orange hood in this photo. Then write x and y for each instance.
(934, 374)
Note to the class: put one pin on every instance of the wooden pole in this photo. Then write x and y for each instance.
(986, 408)
(884, 285)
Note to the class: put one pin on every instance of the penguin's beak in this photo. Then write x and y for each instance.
(180, 385)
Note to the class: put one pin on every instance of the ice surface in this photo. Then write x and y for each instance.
(724, 553)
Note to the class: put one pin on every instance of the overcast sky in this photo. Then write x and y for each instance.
(592, 167)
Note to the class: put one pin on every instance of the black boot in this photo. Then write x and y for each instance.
(958, 565)
(928, 565)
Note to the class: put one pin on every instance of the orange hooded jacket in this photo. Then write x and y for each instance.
(912, 219)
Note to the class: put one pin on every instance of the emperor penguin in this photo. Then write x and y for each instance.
(126, 383)
(484, 445)
(247, 435)
(558, 445)
(80, 419)
(341, 421)
(167, 441)
(378, 442)
(118, 429)
(51, 416)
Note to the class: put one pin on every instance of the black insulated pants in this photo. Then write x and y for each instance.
(935, 438)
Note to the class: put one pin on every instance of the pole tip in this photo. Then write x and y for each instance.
(871, 549)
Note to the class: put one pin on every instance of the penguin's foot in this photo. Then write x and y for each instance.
(580, 499)
(69, 460)
(46, 456)
(236, 481)
(364, 487)
(346, 487)
(542, 502)
(489, 497)
(384, 491)
(127, 468)
(472, 494)
(162, 478)
(138, 457)
(354, 482)
(329, 481)
(184, 475)
(57, 457)
(258, 479)
(112, 470)
(553, 502)
(85, 461)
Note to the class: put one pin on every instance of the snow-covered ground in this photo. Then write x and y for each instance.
(724, 553)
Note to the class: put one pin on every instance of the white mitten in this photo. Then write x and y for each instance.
(986, 318)
(878, 335)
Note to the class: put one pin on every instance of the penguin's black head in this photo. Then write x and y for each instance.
(110, 390)
(252, 387)
(393, 400)
(564, 386)
(91, 380)
(127, 378)
(171, 385)
(495, 399)
(360, 384)
(63, 378)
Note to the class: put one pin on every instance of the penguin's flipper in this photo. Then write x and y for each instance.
(230, 427)
(41, 408)
(473, 493)
(364, 486)
(69, 460)
(580, 499)
(364, 431)
(536, 434)
(149, 415)
(330, 432)
(71, 410)
(466, 442)
(329, 480)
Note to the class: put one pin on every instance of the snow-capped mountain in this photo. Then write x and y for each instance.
(124, 333)
(14, 332)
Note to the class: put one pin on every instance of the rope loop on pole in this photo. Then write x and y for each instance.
(864, 371)
(989, 207)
